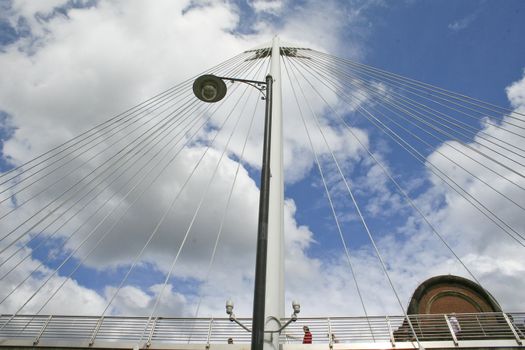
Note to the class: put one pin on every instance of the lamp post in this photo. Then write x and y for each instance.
(210, 88)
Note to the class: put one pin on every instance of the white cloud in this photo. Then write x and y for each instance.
(490, 253)
(464, 22)
(413, 252)
(98, 61)
(269, 6)
(516, 95)
(72, 298)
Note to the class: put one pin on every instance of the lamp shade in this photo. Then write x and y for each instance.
(209, 88)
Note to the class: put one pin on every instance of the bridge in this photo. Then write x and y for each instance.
(483, 330)
(87, 185)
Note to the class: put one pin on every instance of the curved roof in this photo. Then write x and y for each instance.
(448, 293)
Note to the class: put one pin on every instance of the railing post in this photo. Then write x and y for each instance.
(95, 331)
(454, 338)
(209, 334)
(481, 326)
(518, 340)
(150, 336)
(390, 333)
(330, 342)
(37, 339)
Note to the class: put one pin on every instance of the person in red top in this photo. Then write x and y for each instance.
(307, 339)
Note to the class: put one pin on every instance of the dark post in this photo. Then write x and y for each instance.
(262, 229)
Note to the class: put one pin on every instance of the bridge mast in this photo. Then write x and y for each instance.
(275, 262)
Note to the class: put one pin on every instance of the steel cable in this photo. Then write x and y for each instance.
(392, 179)
(132, 189)
(418, 156)
(184, 239)
(433, 88)
(395, 104)
(111, 121)
(321, 173)
(138, 144)
(457, 124)
(362, 219)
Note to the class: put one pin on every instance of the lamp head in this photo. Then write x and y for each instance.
(296, 307)
(229, 306)
(209, 88)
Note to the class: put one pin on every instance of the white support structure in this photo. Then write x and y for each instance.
(275, 263)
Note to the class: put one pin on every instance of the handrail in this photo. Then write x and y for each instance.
(46, 330)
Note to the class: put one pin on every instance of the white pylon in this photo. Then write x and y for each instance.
(274, 310)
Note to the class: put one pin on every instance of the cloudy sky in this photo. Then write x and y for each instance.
(67, 66)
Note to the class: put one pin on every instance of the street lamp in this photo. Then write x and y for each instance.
(210, 88)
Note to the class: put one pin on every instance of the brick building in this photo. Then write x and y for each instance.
(439, 299)
(447, 294)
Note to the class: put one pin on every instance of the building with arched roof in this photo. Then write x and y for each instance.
(446, 294)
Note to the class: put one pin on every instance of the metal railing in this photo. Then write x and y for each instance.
(87, 331)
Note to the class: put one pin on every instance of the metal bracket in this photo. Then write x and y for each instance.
(293, 318)
(233, 319)
(259, 85)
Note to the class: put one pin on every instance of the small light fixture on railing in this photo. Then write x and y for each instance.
(295, 306)
(229, 307)
(296, 309)
(229, 311)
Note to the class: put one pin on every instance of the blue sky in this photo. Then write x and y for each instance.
(480, 56)
(70, 65)
(466, 46)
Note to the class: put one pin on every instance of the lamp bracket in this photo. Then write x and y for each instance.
(259, 85)
(234, 319)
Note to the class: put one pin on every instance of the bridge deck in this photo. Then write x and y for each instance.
(488, 330)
